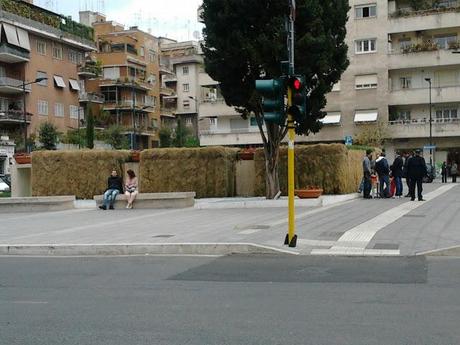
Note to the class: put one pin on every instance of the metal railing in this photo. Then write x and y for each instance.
(6, 48)
(425, 121)
(13, 116)
(442, 7)
(14, 83)
(248, 130)
(91, 97)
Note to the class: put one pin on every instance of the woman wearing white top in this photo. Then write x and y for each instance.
(131, 188)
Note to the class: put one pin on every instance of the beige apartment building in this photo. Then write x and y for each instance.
(130, 78)
(395, 53)
(36, 43)
(181, 65)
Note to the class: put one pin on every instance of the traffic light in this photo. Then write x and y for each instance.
(272, 91)
(298, 108)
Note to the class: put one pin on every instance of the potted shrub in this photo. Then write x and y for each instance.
(309, 192)
(23, 158)
(135, 156)
(246, 154)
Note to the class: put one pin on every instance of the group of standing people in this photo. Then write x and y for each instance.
(449, 169)
(412, 167)
(115, 187)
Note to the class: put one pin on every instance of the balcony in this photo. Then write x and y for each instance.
(216, 107)
(168, 112)
(90, 97)
(13, 116)
(12, 54)
(12, 86)
(407, 20)
(444, 94)
(441, 57)
(420, 128)
(127, 83)
(169, 78)
(128, 105)
(89, 71)
(242, 136)
(166, 91)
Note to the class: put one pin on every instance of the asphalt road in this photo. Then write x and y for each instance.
(230, 300)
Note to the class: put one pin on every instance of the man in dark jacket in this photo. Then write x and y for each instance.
(114, 187)
(367, 171)
(397, 172)
(416, 170)
(407, 157)
(383, 170)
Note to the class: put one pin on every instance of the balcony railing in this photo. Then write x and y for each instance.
(443, 7)
(15, 54)
(14, 116)
(90, 70)
(424, 121)
(247, 130)
(91, 97)
(128, 103)
(12, 83)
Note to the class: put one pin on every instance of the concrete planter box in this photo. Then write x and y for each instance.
(37, 204)
(154, 200)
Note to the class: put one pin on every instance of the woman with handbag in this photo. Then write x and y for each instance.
(131, 188)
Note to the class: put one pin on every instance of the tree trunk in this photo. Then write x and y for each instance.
(272, 182)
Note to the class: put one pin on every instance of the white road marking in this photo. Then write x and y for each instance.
(355, 240)
(249, 231)
(29, 302)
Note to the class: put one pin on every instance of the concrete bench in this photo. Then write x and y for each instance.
(37, 204)
(154, 200)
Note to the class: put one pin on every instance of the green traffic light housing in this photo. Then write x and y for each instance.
(272, 91)
(298, 109)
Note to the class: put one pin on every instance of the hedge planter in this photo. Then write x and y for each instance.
(23, 158)
(308, 193)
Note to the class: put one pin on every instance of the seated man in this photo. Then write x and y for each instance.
(114, 187)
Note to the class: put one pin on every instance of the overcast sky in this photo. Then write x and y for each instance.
(175, 19)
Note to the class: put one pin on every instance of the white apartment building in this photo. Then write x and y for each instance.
(393, 51)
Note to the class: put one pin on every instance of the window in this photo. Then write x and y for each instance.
(365, 46)
(186, 104)
(186, 87)
(404, 44)
(59, 82)
(444, 41)
(57, 51)
(111, 73)
(142, 51)
(154, 123)
(213, 121)
(152, 79)
(366, 81)
(447, 114)
(59, 110)
(41, 47)
(42, 107)
(188, 121)
(403, 115)
(42, 75)
(110, 94)
(151, 55)
(185, 70)
(405, 82)
(366, 11)
(74, 56)
(73, 111)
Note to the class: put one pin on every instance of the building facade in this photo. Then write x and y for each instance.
(398, 57)
(38, 44)
(130, 79)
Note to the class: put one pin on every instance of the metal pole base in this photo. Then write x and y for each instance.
(293, 242)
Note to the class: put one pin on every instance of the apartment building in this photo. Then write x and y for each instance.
(181, 64)
(37, 44)
(130, 78)
(398, 55)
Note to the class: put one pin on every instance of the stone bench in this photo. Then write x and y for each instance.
(37, 204)
(154, 200)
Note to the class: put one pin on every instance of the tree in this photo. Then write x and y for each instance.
(165, 137)
(181, 134)
(245, 40)
(90, 129)
(115, 137)
(372, 135)
(48, 135)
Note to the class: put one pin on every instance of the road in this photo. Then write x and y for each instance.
(230, 300)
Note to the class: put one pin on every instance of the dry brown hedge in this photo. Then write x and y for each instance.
(331, 167)
(81, 173)
(210, 172)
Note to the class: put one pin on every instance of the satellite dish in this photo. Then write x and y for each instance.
(196, 35)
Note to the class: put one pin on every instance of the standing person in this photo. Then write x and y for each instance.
(367, 175)
(131, 188)
(383, 170)
(407, 157)
(397, 172)
(454, 171)
(444, 172)
(114, 187)
(416, 169)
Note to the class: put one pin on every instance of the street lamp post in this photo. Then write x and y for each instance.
(431, 125)
(24, 84)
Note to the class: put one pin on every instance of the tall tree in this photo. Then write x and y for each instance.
(245, 40)
(90, 129)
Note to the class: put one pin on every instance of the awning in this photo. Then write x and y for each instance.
(59, 81)
(11, 34)
(332, 119)
(23, 36)
(74, 85)
(366, 116)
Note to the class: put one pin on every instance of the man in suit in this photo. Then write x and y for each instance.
(416, 170)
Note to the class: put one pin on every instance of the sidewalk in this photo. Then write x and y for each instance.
(224, 230)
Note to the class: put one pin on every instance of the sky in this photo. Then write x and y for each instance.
(176, 19)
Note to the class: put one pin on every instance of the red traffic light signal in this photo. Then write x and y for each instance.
(296, 84)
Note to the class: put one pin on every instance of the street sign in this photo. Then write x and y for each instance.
(429, 147)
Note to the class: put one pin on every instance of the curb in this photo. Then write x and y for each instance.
(449, 251)
(140, 249)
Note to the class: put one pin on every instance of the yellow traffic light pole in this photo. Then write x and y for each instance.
(291, 237)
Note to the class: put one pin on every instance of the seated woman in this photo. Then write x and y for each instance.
(131, 188)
